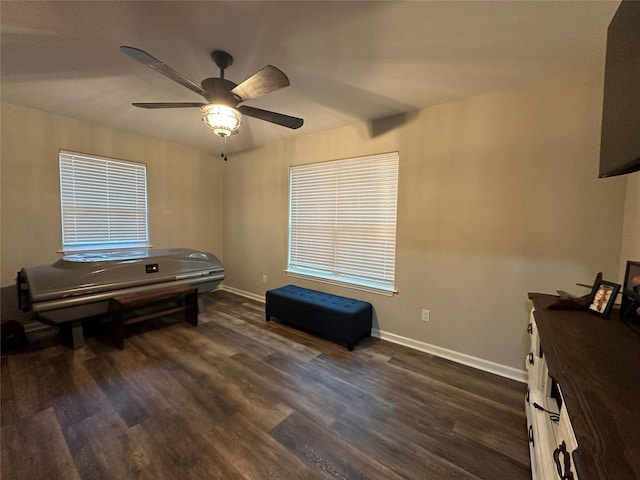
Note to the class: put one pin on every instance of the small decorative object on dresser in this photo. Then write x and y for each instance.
(603, 296)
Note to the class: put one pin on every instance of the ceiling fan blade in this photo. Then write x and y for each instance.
(264, 81)
(273, 117)
(155, 64)
(167, 104)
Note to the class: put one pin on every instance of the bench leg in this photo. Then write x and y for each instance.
(117, 329)
(191, 314)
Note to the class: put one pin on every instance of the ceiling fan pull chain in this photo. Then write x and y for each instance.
(224, 144)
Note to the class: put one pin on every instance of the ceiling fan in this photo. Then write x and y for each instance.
(222, 112)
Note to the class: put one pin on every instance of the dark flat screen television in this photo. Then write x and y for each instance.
(620, 141)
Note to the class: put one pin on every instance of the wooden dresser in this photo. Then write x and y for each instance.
(584, 371)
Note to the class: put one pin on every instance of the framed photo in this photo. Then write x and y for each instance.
(630, 305)
(632, 279)
(603, 296)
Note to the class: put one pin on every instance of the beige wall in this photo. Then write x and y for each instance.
(498, 197)
(184, 187)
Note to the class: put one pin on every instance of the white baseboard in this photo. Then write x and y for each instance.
(463, 358)
(242, 293)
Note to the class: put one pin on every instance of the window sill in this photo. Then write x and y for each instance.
(355, 286)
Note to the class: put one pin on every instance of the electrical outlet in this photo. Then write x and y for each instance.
(264, 279)
(425, 315)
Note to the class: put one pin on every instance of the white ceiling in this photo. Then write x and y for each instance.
(347, 61)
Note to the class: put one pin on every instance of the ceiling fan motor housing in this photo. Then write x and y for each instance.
(219, 91)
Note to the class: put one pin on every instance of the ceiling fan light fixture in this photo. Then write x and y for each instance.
(223, 120)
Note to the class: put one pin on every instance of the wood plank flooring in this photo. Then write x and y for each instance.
(239, 397)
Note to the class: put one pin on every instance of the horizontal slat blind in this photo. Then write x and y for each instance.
(342, 222)
(104, 203)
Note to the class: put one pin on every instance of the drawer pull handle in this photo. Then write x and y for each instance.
(528, 395)
(531, 436)
(563, 466)
(530, 328)
(531, 359)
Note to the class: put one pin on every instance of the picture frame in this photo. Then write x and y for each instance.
(603, 296)
(630, 305)
(632, 279)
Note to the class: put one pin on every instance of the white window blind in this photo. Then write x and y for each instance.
(104, 203)
(342, 221)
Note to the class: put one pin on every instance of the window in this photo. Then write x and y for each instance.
(104, 203)
(342, 222)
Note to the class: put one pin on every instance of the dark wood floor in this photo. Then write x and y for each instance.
(237, 397)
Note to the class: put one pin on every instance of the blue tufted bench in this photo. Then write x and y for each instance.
(342, 319)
